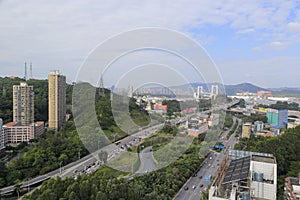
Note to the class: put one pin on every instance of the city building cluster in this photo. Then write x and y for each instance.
(23, 128)
(277, 119)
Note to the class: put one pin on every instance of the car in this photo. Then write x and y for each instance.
(201, 185)
(201, 177)
(195, 175)
(186, 188)
(194, 187)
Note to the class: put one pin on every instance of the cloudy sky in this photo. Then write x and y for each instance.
(256, 41)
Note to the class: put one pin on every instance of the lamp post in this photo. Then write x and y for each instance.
(28, 189)
(60, 167)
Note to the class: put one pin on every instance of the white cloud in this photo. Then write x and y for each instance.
(62, 33)
(246, 31)
(278, 46)
(293, 27)
(256, 49)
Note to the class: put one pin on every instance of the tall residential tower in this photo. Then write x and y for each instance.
(23, 104)
(57, 99)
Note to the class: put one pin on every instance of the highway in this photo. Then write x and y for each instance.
(199, 183)
(89, 162)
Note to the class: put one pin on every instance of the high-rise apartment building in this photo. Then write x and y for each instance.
(246, 131)
(277, 118)
(57, 99)
(23, 104)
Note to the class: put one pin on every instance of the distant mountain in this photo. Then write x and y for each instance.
(286, 92)
(243, 87)
(231, 89)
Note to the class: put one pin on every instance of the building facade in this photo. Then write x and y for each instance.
(23, 104)
(251, 177)
(277, 118)
(15, 133)
(57, 99)
(246, 131)
(2, 144)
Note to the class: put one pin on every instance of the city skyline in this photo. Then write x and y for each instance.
(256, 43)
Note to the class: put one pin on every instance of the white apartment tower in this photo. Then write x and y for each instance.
(23, 104)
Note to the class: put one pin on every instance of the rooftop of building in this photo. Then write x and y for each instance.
(55, 72)
(11, 124)
(264, 159)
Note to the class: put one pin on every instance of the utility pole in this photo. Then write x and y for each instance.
(31, 74)
(25, 76)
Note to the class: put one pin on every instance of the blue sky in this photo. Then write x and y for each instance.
(254, 41)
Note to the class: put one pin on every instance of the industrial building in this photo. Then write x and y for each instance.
(57, 99)
(23, 104)
(250, 177)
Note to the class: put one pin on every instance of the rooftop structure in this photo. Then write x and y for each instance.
(250, 177)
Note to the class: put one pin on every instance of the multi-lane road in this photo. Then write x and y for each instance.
(199, 183)
(90, 161)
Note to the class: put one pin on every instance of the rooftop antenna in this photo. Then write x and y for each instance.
(31, 75)
(25, 77)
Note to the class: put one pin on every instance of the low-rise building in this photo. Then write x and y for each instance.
(15, 133)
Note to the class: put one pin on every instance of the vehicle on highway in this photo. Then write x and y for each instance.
(194, 187)
(201, 185)
(186, 188)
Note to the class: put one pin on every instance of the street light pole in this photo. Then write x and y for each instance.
(60, 167)
(28, 189)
